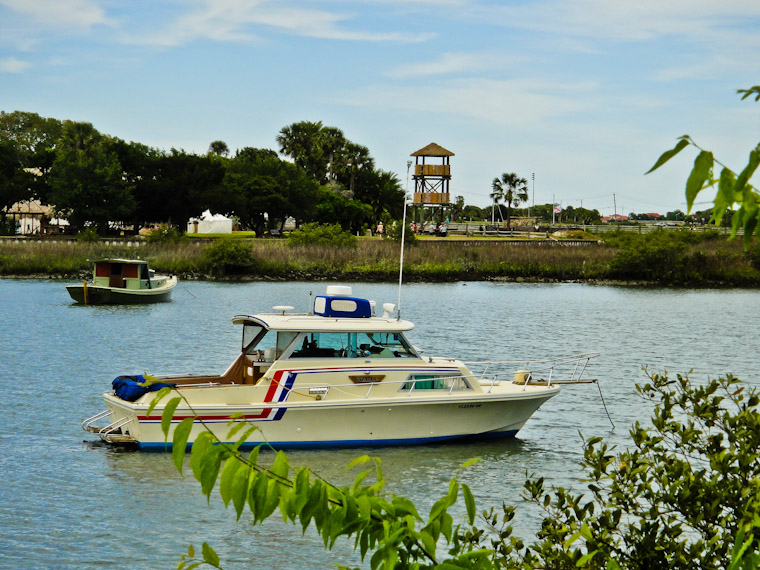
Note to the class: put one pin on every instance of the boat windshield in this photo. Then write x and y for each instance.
(354, 345)
(267, 345)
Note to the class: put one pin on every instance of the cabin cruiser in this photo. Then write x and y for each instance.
(123, 281)
(339, 376)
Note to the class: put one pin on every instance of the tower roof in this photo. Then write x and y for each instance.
(433, 149)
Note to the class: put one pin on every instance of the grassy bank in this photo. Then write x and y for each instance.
(668, 258)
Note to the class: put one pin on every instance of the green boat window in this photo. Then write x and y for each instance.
(435, 381)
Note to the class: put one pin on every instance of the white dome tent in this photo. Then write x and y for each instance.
(210, 223)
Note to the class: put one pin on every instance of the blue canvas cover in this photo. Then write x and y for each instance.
(129, 388)
(352, 307)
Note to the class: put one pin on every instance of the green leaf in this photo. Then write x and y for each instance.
(209, 556)
(469, 501)
(749, 170)
(167, 415)
(682, 143)
(427, 543)
(751, 91)
(453, 491)
(157, 398)
(471, 462)
(231, 467)
(210, 465)
(239, 489)
(586, 558)
(724, 199)
(257, 496)
(198, 449)
(701, 172)
(281, 466)
(179, 441)
(750, 224)
(359, 461)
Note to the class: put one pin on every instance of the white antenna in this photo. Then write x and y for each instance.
(403, 237)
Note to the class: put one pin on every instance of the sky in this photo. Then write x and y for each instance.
(580, 97)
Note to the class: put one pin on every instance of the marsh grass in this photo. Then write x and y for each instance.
(664, 259)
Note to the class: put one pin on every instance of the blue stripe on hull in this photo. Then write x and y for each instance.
(353, 442)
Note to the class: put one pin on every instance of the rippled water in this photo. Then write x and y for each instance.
(66, 502)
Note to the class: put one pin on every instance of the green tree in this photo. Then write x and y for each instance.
(510, 188)
(266, 190)
(303, 143)
(334, 208)
(86, 180)
(218, 148)
(331, 141)
(14, 180)
(383, 192)
(733, 190)
(180, 186)
(34, 138)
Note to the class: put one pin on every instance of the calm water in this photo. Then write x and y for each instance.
(66, 502)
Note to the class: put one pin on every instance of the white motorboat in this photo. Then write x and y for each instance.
(339, 376)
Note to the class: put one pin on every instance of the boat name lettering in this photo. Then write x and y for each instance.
(462, 406)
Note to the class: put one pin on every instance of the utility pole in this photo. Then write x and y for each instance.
(614, 203)
(552, 209)
(533, 177)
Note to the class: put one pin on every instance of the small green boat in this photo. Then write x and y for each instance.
(123, 281)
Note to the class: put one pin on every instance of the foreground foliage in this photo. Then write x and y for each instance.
(734, 190)
(685, 493)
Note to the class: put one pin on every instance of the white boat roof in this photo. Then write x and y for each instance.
(295, 322)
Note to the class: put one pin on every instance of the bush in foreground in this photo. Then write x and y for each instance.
(685, 494)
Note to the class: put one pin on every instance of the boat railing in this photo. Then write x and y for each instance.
(560, 370)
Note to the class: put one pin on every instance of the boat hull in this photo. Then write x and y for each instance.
(347, 424)
(97, 295)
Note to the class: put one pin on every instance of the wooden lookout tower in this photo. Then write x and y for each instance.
(432, 176)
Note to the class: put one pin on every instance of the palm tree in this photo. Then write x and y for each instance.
(497, 195)
(219, 148)
(331, 141)
(356, 157)
(512, 189)
(301, 142)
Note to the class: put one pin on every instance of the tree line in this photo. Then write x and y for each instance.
(94, 179)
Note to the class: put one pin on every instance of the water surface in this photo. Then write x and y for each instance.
(66, 502)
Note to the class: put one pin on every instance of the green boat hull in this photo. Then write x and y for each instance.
(116, 296)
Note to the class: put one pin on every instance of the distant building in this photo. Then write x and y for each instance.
(615, 218)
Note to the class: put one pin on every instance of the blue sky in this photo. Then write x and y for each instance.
(586, 94)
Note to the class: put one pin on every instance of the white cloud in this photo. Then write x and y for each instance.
(13, 65)
(241, 20)
(627, 20)
(501, 102)
(450, 64)
(78, 14)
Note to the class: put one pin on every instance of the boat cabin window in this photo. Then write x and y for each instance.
(265, 345)
(437, 381)
(353, 345)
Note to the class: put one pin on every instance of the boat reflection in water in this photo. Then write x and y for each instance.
(340, 376)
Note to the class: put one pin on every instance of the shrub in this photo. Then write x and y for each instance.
(322, 234)
(88, 235)
(7, 226)
(171, 234)
(393, 233)
(229, 256)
